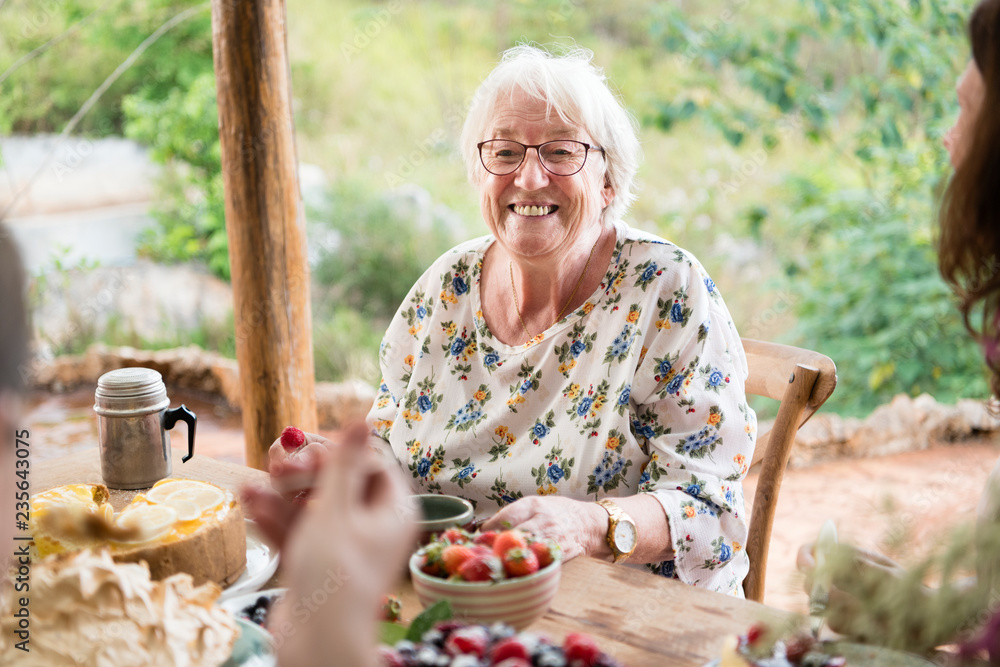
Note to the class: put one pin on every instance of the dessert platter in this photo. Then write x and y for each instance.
(146, 580)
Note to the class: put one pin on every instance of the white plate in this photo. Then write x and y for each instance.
(262, 562)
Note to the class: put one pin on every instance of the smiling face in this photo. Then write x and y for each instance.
(532, 212)
(971, 92)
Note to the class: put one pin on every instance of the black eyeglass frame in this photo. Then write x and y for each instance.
(587, 148)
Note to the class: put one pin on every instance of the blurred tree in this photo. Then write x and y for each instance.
(870, 83)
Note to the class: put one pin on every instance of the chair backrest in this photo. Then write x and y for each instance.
(802, 380)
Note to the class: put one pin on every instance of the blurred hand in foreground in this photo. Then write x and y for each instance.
(341, 552)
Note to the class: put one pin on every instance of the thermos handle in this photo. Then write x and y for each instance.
(170, 419)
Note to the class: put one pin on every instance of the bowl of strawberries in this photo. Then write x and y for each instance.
(508, 576)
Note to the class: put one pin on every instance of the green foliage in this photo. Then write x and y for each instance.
(870, 84)
(183, 132)
(44, 93)
(376, 247)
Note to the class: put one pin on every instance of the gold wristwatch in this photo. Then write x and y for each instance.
(622, 534)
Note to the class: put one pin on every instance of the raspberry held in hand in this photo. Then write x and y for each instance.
(292, 438)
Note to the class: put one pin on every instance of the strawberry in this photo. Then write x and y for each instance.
(391, 608)
(292, 438)
(455, 536)
(756, 631)
(509, 539)
(390, 657)
(581, 649)
(486, 539)
(470, 640)
(454, 555)
(545, 551)
(511, 648)
(432, 563)
(481, 568)
(520, 562)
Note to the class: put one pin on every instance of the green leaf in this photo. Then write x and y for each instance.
(428, 618)
(390, 633)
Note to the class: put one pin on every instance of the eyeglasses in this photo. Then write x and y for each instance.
(562, 158)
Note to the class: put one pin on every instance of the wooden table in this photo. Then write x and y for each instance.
(639, 618)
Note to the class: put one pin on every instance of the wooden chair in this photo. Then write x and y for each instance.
(802, 380)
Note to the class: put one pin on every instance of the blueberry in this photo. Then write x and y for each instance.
(434, 636)
(406, 648)
(427, 656)
(500, 631)
(552, 658)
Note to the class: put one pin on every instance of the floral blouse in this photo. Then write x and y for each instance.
(640, 390)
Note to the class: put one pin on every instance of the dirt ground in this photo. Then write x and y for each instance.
(931, 490)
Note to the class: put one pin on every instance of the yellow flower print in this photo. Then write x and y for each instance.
(480, 395)
(382, 402)
(547, 490)
(571, 365)
(632, 317)
(408, 360)
(737, 546)
(500, 431)
(415, 329)
(451, 329)
(654, 456)
(689, 512)
(574, 390)
(714, 418)
(662, 324)
(739, 459)
(479, 314)
(612, 442)
(415, 447)
(749, 428)
(597, 405)
(382, 424)
(437, 466)
(618, 280)
(562, 368)
(587, 307)
(510, 439)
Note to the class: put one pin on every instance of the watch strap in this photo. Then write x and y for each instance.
(616, 515)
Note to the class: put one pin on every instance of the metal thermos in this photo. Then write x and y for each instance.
(133, 421)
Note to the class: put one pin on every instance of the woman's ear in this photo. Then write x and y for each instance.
(608, 193)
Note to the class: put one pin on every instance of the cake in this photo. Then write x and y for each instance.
(89, 611)
(179, 525)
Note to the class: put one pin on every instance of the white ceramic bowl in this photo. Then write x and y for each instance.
(517, 602)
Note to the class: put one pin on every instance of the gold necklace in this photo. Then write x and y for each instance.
(517, 306)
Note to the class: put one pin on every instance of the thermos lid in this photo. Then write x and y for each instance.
(127, 391)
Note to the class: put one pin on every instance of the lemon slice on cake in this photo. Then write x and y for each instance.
(191, 502)
(149, 521)
(162, 489)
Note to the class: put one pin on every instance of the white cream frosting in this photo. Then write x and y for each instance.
(87, 610)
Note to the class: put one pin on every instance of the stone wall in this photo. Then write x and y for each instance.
(193, 368)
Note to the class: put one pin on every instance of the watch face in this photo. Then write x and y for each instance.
(625, 536)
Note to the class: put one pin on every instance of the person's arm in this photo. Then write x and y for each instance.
(690, 413)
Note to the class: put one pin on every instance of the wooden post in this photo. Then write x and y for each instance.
(264, 222)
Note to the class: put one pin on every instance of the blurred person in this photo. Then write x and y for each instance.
(14, 355)
(568, 374)
(969, 260)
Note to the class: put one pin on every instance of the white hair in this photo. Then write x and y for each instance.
(577, 90)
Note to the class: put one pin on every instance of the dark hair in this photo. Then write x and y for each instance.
(14, 331)
(969, 248)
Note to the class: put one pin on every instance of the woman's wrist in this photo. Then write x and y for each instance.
(598, 540)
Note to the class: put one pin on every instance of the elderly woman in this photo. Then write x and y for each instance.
(567, 374)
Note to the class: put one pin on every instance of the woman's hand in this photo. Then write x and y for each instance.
(341, 553)
(578, 527)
